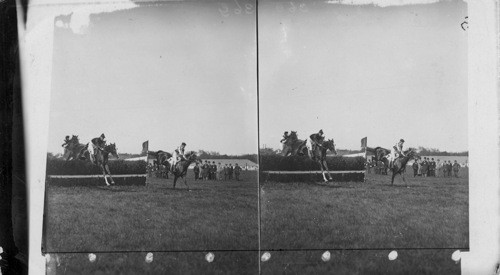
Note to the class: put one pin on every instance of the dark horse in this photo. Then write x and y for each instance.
(399, 165)
(294, 146)
(161, 157)
(74, 149)
(380, 153)
(319, 155)
(181, 167)
(101, 159)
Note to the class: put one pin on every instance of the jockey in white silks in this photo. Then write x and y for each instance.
(96, 143)
(177, 155)
(396, 151)
(314, 140)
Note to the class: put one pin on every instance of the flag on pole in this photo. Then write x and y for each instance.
(364, 142)
(145, 146)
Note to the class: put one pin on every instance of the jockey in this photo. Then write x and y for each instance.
(178, 155)
(396, 151)
(314, 140)
(66, 142)
(96, 143)
(285, 137)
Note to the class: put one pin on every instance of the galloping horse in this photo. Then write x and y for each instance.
(380, 153)
(399, 165)
(161, 157)
(101, 159)
(181, 167)
(293, 146)
(74, 148)
(319, 155)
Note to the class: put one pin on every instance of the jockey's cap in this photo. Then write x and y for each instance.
(103, 136)
(183, 144)
(401, 140)
(67, 137)
(321, 131)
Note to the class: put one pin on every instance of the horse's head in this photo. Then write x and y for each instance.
(291, 138)
(74, 139)
(111, 148)
(330, 145)
(412, 154)
(191, 156)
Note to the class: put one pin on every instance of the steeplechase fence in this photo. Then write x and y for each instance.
(302, 169)
(82, 173)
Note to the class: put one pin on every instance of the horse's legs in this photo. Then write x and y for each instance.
(322, 171)
(175, 180)
(109, 173)
(328, 171)
(393, 175)
(104, 174)
(185, 182)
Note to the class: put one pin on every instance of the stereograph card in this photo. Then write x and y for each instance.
(253, 137)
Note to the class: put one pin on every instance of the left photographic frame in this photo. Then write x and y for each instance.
(152, 139)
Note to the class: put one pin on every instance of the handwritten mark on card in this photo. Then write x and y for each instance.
(465, 24)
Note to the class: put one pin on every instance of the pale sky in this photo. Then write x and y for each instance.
(186, 72)
(179, 72)
(356, 71)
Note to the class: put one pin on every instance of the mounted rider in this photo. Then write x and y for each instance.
(285, 137)
(96, 143)
(177, 156)
(396, 151)
(314, 141)
(66, 142)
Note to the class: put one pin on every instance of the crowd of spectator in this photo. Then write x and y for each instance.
(378, 166)
(425, 167)
(205, 171)
(159, 171)
(428, 168)
(212, 171)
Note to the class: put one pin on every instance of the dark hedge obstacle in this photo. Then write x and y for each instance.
(275, 168)
(82, 173)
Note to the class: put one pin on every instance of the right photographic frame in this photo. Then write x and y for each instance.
(363, 126)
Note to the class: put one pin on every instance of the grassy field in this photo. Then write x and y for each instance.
(163, 263)
(362, 262)
(423, 213)
(281, 262)
(304, 218)
(213, 216)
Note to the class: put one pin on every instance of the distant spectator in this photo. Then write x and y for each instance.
(432, 168)
(150, 170)
(445, 169)
(237, 171)
(438, 168)
(220, 171)
(214, 171)
(196, 171)
(204, 170)
(449, 168)
(415, 168)
(456, 168)
(230, 171)
(369, 166)
(226, 171)
(425, 167)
